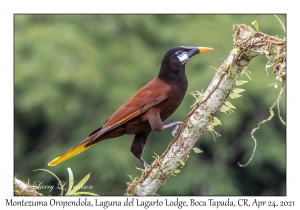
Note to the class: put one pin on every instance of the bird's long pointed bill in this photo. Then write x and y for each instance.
(204, 49)
(71, 153)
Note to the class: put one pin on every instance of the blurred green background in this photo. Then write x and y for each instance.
(73, 71)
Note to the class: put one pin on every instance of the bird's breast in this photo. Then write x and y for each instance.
(170, 105)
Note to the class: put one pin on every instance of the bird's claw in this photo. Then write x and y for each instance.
(147, 166)
(175, 129)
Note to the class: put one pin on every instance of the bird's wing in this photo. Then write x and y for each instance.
(150, 95)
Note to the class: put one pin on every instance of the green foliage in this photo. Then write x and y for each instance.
(72, 190)
(227, 109)
(227, 103)
(73, 71)
(176, 171)
(238, 90)
(197, 150)
(240, 82)
(255, 24)
(197, 95)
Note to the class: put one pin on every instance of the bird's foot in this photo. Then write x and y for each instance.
(176, 125)
(175, 129)
(146, 165)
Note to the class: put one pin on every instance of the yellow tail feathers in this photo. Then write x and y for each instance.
(71, 153)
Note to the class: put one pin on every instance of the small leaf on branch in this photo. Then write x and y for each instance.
(224, 108)
(235, 95)
(227, 103)
(79, 185)
(176, 171)
(216, 122)
(238, 90)
(197, 150)
(240, 82)
(181, 162)
(255, 24)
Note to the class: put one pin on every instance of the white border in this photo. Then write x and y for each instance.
(8, 8)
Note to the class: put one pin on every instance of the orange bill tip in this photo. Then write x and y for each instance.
(204, 49)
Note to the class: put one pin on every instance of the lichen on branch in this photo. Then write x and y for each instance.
(23, 189)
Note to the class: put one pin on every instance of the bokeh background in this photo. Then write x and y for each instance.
(73, 71)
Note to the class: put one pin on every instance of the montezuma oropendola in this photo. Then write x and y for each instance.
(147, 108)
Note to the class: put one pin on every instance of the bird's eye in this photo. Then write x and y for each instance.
(179, 52)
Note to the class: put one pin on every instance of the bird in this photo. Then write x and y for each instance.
(147, 108)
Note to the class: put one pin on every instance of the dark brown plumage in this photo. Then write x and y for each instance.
(147, 108)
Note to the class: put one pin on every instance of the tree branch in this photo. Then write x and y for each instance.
(247, 45)
(22, 189)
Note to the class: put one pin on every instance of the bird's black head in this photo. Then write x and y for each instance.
(173, 63)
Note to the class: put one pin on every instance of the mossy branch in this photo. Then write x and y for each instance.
(23, 189)
(248, 44)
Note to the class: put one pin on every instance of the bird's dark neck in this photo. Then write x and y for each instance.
(171, 74)
(176, 79)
